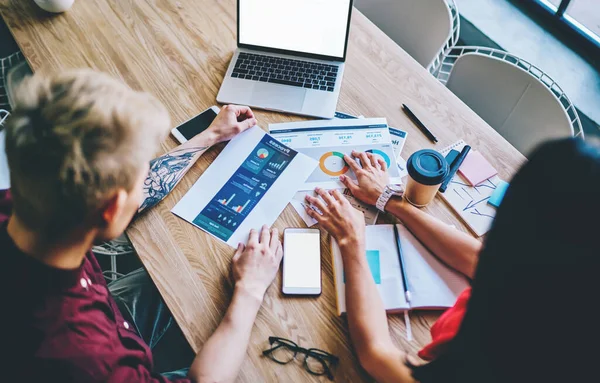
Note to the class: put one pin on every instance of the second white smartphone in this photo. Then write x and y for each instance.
(301, 262)
(195, 125)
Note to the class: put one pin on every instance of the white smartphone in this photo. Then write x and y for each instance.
(301, 262)
(195, 125)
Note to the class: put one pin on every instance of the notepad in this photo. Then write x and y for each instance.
(432, 284)
(471, 202)
(476, 169)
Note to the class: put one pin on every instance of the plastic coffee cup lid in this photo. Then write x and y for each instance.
(428, 167)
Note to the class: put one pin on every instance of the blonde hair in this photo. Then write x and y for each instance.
(72, 140)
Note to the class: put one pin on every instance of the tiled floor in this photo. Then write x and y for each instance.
(517, 33)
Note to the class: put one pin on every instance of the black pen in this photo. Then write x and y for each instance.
(419, 124)
(454, 167)
(404, 283)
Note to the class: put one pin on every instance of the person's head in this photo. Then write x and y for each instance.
(537, 282)
(78, 146)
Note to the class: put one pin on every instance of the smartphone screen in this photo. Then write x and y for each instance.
(197, 124)
(302, 261)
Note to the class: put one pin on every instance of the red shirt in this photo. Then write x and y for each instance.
(446, 328)
(63, 325)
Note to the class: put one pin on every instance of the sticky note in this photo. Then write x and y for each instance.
(498, 194)
(476, 169)
(374, 266)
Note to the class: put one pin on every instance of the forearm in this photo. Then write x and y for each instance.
(367, 321)
(222, 355)
(455, 248)
(167, 170)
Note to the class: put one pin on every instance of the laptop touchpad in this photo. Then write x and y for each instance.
(278, 97)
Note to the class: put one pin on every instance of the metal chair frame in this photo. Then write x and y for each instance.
(435, 65)
(6, 64)
(445, 71)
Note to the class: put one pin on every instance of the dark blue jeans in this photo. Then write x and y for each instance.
(141, 304)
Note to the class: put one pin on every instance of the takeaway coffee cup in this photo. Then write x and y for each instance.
(427, 169)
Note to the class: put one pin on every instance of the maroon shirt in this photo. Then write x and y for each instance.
(63, 325)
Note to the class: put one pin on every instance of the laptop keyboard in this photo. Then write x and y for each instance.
(303, 74)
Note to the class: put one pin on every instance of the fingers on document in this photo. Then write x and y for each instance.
(316, 202)
(350, 184)
(265, 235)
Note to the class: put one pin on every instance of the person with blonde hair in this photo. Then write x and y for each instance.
(79, 147)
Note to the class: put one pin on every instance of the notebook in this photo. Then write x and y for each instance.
(476, 169)
(471, 202)
(431, 283)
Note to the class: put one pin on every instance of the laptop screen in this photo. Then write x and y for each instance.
(315, 27)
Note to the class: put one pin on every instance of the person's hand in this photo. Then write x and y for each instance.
(231, 121)
(338, 218)
(372, 177)
(255, 265)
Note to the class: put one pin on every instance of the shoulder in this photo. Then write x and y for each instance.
(64, 346)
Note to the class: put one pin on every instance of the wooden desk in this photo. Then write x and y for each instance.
(179, 50)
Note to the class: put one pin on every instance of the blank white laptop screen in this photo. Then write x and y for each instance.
(310, 26)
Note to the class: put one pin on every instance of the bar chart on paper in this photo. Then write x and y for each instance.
(238, 208)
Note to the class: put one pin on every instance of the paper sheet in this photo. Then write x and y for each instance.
(299, 204)
(328, 141)
(398, 140)
(247, 186)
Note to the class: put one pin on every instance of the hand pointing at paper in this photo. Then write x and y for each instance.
(372, 177)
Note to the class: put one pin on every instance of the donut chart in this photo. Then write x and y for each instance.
(382, 154)
(333, 164)
(262, 153)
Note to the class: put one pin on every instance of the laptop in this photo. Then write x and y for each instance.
(290, 56)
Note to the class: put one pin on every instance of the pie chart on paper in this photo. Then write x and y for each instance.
(385, 157)
(333, 164)
(262, 153)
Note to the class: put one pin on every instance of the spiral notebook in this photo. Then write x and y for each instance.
(471, 202)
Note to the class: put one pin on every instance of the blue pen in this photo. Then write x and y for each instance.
(404, 283)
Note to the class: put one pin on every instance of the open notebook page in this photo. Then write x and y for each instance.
(380, 241)
(431, 283)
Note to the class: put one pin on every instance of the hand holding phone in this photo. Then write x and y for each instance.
(231, 121)
(196, 125)
(302, 262)
(224, 124)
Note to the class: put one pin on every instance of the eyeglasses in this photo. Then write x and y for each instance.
(317, 362)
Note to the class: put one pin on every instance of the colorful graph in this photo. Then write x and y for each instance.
(237, 209)
(241, 208)
(262, 153)
(333, 164)
(277, 166)
(225, 202)
(382, 154)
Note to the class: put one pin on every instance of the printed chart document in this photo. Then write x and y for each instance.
(327, 141)
(247, 186)
(299, 204)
